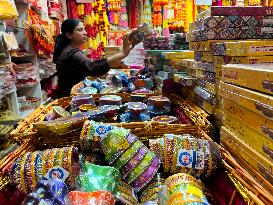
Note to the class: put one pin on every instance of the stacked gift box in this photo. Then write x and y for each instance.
(221, 35)
(167, 66)
(247, 105)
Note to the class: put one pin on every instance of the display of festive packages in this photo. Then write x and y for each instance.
(232, 22)
(248, 118)
(205, 46)
(223, 60)
(203, 56)
(257, 76)
(231, 33)
(259, 142)
(246, 155)
(178, 54)
(257, 102)
(240, 11)
(243, 48)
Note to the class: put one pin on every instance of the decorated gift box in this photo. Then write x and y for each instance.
(246, 154)
(243, 48)
(250, 119)
(205, 45)
(203, 56)
(257, 76)
(210, 87)
(177, 55)
(241, 11)
(222, 60)
(232, 33)
(257, 102)
(232, 22)
(248, 135)
(209, 108)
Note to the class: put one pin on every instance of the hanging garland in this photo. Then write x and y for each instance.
(40, 34)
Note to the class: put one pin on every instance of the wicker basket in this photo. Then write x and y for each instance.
(25, 128)
(243, 183)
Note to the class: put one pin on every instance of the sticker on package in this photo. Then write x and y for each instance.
(190, 159)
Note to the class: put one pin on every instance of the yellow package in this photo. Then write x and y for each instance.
(257, 76)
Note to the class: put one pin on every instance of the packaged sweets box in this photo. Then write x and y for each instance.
(248, 118)
(205, 45)
(243, 48)
(246, 155)
(248, 135)
(222, 60)
(203, 56)
(257, 102)
(231, 22)
(232, 33)
(178, 55)
(210, 87)
(257, 77)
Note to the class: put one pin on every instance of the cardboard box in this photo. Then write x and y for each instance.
(203, 56)
(258, 77)
(259, 103)
(248, 118)
(246, 155)
(231, 33)
(223, 60)
(240, 11)
(248, 135)
(205, 45)
(243, 48)
(178, 55)
(210, 87)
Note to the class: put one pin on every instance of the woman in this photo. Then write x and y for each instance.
(72, 65)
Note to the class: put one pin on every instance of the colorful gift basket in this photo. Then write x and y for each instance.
(118, 145)
(185, 111)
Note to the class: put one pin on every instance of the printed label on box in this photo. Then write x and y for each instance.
(254, 49)
(190, 159)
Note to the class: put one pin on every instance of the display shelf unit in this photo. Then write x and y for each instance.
(32, 90)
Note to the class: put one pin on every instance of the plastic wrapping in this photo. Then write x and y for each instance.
(33, 166)
(137, 111)
(97, 178)
(158, 106)
(110, 100)
(77, 101)
(87, 198)
(183, 189)
(187, 154)
(48, 192)
(120, 147)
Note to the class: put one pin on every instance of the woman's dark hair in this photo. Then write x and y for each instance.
(62, 41)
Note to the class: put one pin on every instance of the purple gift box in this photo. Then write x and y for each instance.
(241, 11)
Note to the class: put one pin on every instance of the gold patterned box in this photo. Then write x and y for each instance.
(248, 135)
(248, 118)
(203, 56)
(210, 87)
(188, 63)
(223, 60)
(246, 155)
(257, 102)
(243, 48)
(205, 45)
(257, 76)
(178, 55)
